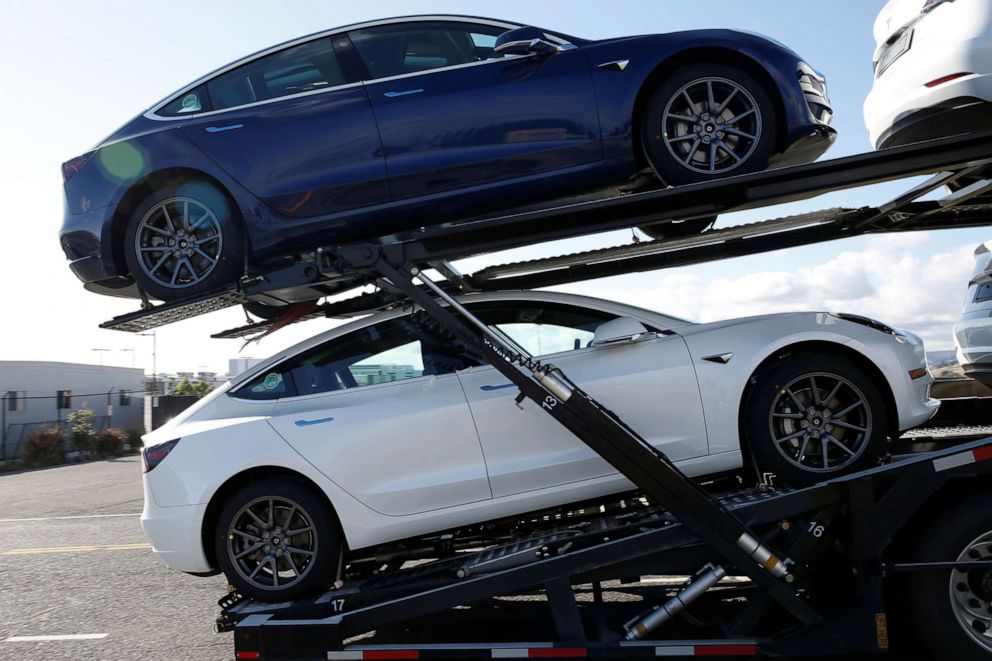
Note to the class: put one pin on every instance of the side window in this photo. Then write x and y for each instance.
(543, 328)
(187, 103)
(386, 352)
(304, 68)
(395, 50)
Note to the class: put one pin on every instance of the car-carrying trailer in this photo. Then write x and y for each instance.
(771, 570)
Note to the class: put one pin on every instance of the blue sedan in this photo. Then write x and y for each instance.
(395, 124)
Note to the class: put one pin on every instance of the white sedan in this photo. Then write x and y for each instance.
(933, 71)
(973, 332)
(380, 431)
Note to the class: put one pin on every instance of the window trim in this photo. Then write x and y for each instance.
(152, 113)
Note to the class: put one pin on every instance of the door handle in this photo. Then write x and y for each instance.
(492, 388)
(219, 129)
(307, 423)
(393, 95)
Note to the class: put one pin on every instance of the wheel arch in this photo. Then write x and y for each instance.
(142, 188)
(240, 480)
(860, 360)
(696, 55)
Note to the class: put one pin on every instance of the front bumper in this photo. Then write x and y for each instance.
(973, 335)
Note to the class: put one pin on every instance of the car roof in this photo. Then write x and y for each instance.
(620, 309)
(509, 25)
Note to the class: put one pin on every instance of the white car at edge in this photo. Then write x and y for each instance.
(379, 431)
(933, 71)
(973, 332)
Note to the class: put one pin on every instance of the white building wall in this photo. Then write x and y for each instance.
(91, 386)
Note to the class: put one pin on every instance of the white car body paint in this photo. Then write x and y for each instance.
(973, 331)
(431, 453)
(954, 37)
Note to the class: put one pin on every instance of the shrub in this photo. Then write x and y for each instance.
(44, 448)
(109, 443)
(81, 424)
(134, 438)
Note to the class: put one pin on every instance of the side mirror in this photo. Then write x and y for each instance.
(526, 41)
(621, 330)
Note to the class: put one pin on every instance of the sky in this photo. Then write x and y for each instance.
(73, 72)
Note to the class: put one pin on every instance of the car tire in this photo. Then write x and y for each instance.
(948, 610)
(257, 556)
(184, 239)
(787, 426)
(671, 128)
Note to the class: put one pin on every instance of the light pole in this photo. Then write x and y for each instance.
(154, 360)
(132, 354)
(102, 351)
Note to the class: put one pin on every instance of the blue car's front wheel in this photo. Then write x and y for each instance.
(708, 121)
(184, 240)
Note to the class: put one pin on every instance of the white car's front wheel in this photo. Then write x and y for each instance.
(811, 417)
(276, 540)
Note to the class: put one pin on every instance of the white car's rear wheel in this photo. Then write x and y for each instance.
(276, 540)
(812, 417)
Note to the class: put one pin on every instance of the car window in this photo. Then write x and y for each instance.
(543, 328)
(382, 353)
(187, 103)
(305, 68)
(394, 50)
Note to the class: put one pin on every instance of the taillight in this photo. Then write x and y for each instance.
(74, 165)
(153, 456)
(947, 79)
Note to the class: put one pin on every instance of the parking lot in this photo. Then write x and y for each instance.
(79, 578)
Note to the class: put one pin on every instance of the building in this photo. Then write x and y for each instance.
(38, 394)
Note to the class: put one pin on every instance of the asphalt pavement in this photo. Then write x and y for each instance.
(78, 579)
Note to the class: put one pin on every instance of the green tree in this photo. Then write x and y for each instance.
(81, 425)
(194, 388)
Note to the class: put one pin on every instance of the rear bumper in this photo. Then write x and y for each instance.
(951, 117)
(174, 533)
(86, 241)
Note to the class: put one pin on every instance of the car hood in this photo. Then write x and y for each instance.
(696, 329)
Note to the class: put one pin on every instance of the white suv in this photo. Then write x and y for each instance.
(933, 71)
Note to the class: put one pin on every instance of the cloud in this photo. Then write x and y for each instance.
(894, 279)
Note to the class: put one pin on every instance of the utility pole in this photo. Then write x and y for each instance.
(102, 351)
(154, 360)
(132, 354)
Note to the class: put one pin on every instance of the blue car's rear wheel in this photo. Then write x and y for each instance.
(708, 121)
(184, 240)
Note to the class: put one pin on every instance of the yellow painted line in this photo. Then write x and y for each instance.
(78, 549)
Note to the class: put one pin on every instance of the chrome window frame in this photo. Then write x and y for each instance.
(152, 113)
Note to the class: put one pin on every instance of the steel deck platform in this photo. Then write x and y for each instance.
(322, 274)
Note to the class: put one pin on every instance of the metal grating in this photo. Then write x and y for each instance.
(168, 313)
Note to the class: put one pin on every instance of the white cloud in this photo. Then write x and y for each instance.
(894, 279)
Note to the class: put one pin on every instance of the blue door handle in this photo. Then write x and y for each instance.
(492, 388)
(219, 129)
(393, 95)
(307, 423)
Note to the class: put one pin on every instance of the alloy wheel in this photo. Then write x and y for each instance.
(971, 592)
(820, 422)
(272, 543)
(711, 125)
(179, 242)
